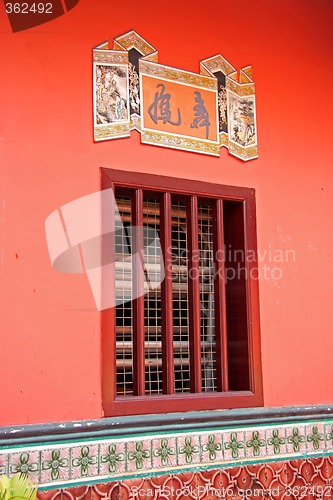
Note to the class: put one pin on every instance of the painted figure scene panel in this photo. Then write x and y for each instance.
(111, 94)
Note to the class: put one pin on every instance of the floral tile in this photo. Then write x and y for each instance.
(255, 443)
(55, 465)
(25, 462)
(139, 455)
(84, 461)
(276, 442)
(233, 445)
(211, 447)
(296, 439)
(3, 464)
(188, 449)
(291, 479)
(315, 438)
(164, 452)
(329, 437)
(112, 458)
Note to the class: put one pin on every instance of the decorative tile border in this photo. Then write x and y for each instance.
(97, 460)
(304, 478)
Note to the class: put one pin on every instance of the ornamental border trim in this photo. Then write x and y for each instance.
(86, 461)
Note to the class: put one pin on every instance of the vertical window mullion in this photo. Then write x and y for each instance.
(138, 295)
(108, 317)
(194, 295)
(166, 297)
(220, 298)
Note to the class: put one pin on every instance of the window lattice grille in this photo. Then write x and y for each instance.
(152, 300)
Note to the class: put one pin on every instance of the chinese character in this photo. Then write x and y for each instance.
(160, 109)
(201, 114)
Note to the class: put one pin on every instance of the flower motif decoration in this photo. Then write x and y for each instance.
(276, 441)
(188, 450)
(296, 440)
(139, 455)
(234, 445)
(212, 447)
(55, 464)
(164, 452)
(256, 443)
(329, 435)
(84, 461)
(167, 451)
(315, 438)
(3, 466)
(24, 466)
(112, 458)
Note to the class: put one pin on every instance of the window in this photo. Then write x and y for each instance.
(184, 334)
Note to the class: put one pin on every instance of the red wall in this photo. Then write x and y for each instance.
(50, 329)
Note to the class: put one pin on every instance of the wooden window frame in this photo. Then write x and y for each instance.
(114, 405)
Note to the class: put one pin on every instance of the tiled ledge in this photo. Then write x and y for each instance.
(305, 478)
(91, 452)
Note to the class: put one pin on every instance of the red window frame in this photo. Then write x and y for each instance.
(224, 398)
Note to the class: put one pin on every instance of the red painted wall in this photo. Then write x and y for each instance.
(50, 330)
